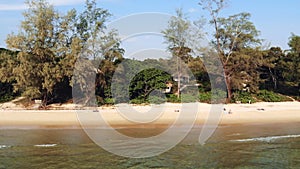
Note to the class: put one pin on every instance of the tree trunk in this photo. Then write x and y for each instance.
(179, 85)
(228, 87)
(44, 101)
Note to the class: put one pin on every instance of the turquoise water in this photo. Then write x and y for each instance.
(255, 146)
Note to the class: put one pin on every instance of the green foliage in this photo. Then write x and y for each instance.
(6, 98)
(7, 80)
(147, 81)
(218, 96)
(189, 98)
(215, 96)
(237, 32)
(105, 101)
(157, 99)
(49, 44)
(243, 97)
(178, 32)
(109, 101)
(205, 97)
(294, 43)
(270, 96)
(290, 65)
(270, 70)
(233, 35)
(173, 98)
(38, 68)
(6, 92)
(8, 60)
(138, 101)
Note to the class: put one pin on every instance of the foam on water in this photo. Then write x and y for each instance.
(4, 146)
(266, 139)
(45, 145)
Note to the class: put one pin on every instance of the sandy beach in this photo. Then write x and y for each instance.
(257, 113)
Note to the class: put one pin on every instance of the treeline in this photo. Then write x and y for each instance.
(42, 57)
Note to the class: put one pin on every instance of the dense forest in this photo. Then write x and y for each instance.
(40, 59)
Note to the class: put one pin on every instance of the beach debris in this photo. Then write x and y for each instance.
(176, 110)
(227, 112)
(37, 104)
(261, 109)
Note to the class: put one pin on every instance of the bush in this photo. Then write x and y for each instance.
(104, 101)
(270, 96)
(6, 98)
(217, 96)
(109, 101)
(243, 97)
(188, 98)
(157, 100)
(6, 92)
(205, 97)
(173, 98)
(138, 101)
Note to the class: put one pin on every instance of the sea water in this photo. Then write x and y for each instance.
(242, 146)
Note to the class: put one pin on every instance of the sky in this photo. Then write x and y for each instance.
(275, 19)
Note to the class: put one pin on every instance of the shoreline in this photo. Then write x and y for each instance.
(257, 113)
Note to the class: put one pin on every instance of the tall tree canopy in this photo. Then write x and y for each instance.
(49, 44)
(234, 36)
(290, 64)
(181, 35)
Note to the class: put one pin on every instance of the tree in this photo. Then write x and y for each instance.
(102, 51)
(243, 68)
(232, 35)
(107, 66)
(270, 71)
(290, 65)
(147, 81)
(49, 44)
(7, 80)
(8, 59)
(38, 70)
(198, 68)
(124, 73)
(179, 36)
(90, 27)
(294, 43)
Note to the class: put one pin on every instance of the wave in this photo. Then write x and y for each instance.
(4, 146)
(45, 145)
(266, 139)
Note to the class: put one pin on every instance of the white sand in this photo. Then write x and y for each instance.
(263, 113)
